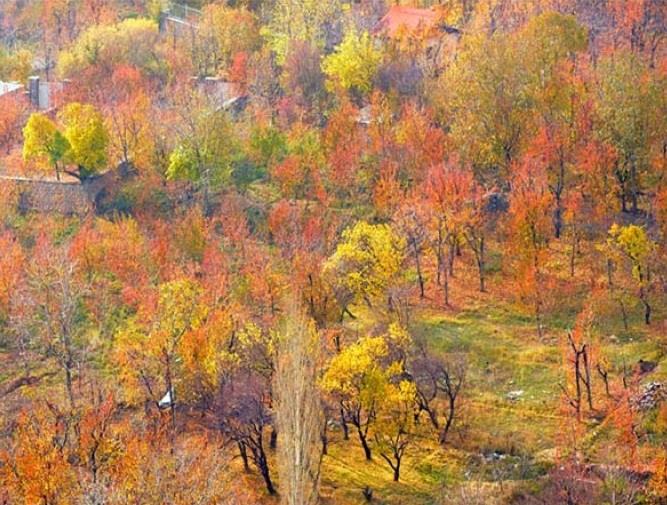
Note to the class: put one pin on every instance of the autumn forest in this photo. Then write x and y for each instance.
(332, 252)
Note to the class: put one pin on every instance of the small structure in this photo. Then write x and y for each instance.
(365, 116)
(44, 95)
(167, 400)
(400, 20)
(224, 95)
(10, 88)
(179, 20)
(425, 26)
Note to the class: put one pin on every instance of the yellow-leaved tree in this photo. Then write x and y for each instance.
(44, 144)
(631, 245)
(353, 64)
(131, 42)
(87, 137)
(396, 426)
(150, 346)
(365, 264)
(359, 379)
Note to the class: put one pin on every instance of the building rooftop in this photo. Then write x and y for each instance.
(406, 18)
(9, 87)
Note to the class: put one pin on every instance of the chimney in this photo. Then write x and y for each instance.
(33, 90)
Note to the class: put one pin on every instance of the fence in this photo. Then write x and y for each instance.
(184, 12)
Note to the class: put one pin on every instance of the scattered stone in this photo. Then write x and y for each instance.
(515, 395)
(651, 395)
(646, 366)
(494, 456)
(496, 203)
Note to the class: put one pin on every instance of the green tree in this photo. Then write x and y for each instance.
(311, 21)
(492, 92)
(206, 149)
(484, 97)
(630, 105)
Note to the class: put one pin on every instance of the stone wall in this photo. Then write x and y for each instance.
(68, 197)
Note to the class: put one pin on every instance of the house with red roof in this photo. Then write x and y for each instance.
(423, 26)
(400, 20)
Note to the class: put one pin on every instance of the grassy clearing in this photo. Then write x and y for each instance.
(427, 469)
(504, 354)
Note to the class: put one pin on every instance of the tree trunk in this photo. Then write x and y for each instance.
(573, 253)
(450, 419)
(439, 257)
(480, 265)
(418, 266)
(243, 452)
(445, 284)
(170, 389)
(68, 383)
(264, 470)
(364, 443)
(624, 314)
(273, 438)
(343, 423)
(587, 381)
(647, 308)
(433, 417)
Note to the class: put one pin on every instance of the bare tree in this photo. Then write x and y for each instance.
(435, 378)
(243, 417)
(53, 315)
(581, 365)
(298, 410)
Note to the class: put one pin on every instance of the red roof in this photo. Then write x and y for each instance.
(409, 18)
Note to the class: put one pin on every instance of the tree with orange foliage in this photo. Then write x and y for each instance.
(450, 192)
(126, 105)
(529, 224)
(36, 468)
(113, 256)
(343, 142)
(11, 273)
(13, 110)
(658, 484)
(639, 26)
(95, 444)
(419, 144)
